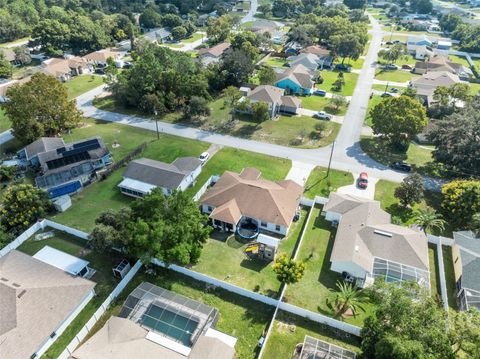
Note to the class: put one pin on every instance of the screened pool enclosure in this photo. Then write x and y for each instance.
(318, 349)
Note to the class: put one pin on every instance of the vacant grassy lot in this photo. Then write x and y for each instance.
(223, 258)
(389, 88)
(354, 64)
(240, 317)
(318, 103)
(104, 195)
(329, 77)
(420, 157)
(232, 159)
(81, 84)
(289, 330)
(319, 185)
(105, 282)
(394, 76)
(319, 282)
(276, 62)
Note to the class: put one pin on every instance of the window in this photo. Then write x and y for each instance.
(209, 208)
(263, 224)
(277, 227)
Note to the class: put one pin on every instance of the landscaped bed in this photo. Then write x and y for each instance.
(240, 317)
(318, 184)
(288, 330)
(223, 258)
(319, 282)
(105, 282)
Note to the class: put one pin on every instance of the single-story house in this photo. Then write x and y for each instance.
(311, 61)
(65, 69)
(442, 63)
(316, 50)
(143, 175)
(65, 168)
(466, 265)
(367, 245)
(158, 36)
(274, 97)
(38, 302)
(426, 85)
(246, 197)
(296, 80)
(419, 46)
(213, 54)
(144, 330)
(100, 57)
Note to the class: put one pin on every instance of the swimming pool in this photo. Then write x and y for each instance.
(173, 325)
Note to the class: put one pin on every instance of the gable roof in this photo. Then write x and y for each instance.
(34, 292)
(310, 61)
(43, 144)
(215, 51)
(442, 63)
(161, 174)
(361, 235)
(101, 55)
(299, 74)
(273, 202)
(291, 101)
(427, 84)
(469, 245)
(316, 50)
(266, 93)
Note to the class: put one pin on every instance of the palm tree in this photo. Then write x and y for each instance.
(429, 220)
(348, 298)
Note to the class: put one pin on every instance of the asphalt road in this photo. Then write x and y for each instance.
(251, 13)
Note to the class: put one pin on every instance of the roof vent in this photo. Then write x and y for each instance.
(16, 285)
(4, 279)
(21, 293)
(383, 233)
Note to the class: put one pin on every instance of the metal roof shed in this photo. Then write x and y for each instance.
(63, 261)
(268, 240)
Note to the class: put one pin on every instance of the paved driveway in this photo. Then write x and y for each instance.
(300, 171)
(354, 190)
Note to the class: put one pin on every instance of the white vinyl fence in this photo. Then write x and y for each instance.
(21, 238)
(100, 311)
(203, 189)
(439, 241)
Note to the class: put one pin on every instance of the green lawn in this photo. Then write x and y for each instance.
(4, 121)
(223, 258)
(232, 159)
(329, 77)
(288, 330)
(81, 84)
(240, 317)
(319, 282)
(394, 76)
(318, 103)
(276, 62)
(318, 185)
(382, 88)
(195, 37)
(449, 276)
(402, 38)
(374, 101)
(105, 282)
(6, 44)
(459, 60)
(434, 271)
(103, 195)
(354, 64)
(420, 157)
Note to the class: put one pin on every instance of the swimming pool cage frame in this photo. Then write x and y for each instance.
(318, 349)
(137, 306)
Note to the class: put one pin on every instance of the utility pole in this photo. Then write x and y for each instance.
(156, 122)
(330, 160)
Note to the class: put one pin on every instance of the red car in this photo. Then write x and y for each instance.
(362, 180)
(406, 67)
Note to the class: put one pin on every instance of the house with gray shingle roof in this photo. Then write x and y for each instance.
(367, 245)
(466, 265)
(275, 99)
(296, 80)
(143, 175)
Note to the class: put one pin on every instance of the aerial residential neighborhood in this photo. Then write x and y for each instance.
(276, 179)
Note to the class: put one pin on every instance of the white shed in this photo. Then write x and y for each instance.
(62, 203)
(63, 261)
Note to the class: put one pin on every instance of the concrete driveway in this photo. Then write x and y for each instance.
(300, 171)
(354, 190)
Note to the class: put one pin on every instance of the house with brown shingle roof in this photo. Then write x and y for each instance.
(100, 57)
(64, 69)
(442, 63)
(37, 302)
(213, 54)
(275, 98)
(246, 197)
(367, 245)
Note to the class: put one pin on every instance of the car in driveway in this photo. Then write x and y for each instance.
(343, 67)
(394, 90)
(320, 93)
(391, 67)
(386, 94)
(321, 115)
(100, 71)
(362, 180)
(204, 157)
(401, 166)
(406, 67)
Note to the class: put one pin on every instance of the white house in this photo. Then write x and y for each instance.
(242, 198)
(38, 302)
(368, 246)
(143, 175)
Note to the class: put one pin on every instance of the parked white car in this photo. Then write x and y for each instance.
(204, 157)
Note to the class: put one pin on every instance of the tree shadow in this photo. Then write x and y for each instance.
(256, 265)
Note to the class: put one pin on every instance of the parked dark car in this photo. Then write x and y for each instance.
(401, 166)
(343, 67)
(391, 67)
(319, 93)
(406, 67)
(100, 71)
(127, 65)
(386, 94)
(394, 90)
